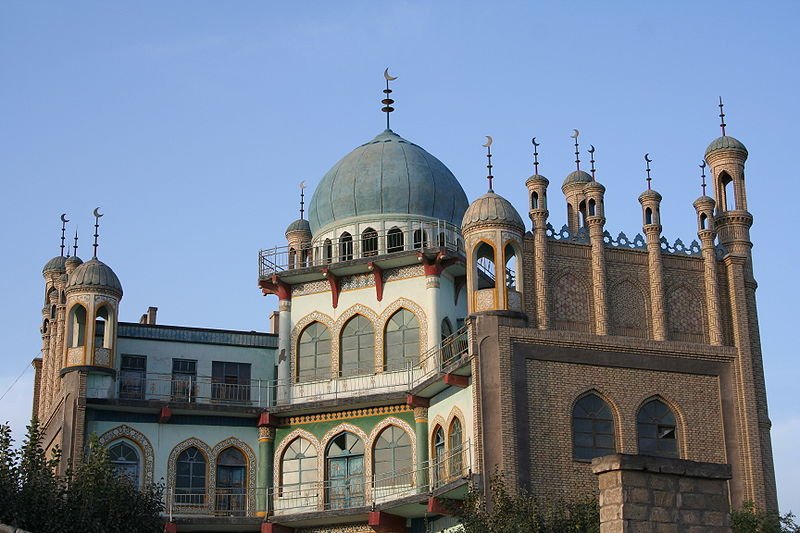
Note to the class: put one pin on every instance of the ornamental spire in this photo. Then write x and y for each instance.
(722, 116)
(488, 146)
(302, 198)
(97, 214)
(575, 134)
(387, 101)
(535, 157)
(64, 221)
(703, 176)
(591, 154)
(647, 162)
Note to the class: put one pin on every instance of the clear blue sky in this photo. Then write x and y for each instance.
(191, 123)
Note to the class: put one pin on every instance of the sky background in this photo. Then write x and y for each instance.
(191, 124)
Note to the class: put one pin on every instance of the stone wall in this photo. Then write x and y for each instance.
(652, 494)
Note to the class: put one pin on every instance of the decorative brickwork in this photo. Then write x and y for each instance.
(685, 314)
(628, 309)
(570, 297)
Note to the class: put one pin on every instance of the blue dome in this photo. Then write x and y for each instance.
(726, 142)
(388, 175)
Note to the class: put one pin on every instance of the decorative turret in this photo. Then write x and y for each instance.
(537, 197)
(651, 224)
(299, 236)
(573, 189)
(594, 213)
(493, 232)
(704, 206)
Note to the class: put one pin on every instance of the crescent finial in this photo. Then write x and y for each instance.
(97, 212)
(388, 76)
(647, 157)
(302, 184)
(64, 217)
(533, 141)
(489, 141)
(575, 134)
(591, 149)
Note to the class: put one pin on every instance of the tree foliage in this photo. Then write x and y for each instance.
(521, 512)
(93, 498)
(750, 519)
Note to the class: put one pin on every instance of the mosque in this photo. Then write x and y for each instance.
(421, 342)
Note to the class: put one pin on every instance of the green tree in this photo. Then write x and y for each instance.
(521, 512)
(750, 519)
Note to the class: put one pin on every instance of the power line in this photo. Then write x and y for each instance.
(27, 366)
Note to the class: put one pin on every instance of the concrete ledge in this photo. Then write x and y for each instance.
(661, 465)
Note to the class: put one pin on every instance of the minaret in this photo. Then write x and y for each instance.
(298, 235)
(704, 206)
(754, 474)
(651, 213)
(596, 220)
(537, 197)
(573, 191)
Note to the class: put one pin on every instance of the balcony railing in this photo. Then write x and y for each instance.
(192, 389)
(416, 235)
(357, 492)
(219, 501)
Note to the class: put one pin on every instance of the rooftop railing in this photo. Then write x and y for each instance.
(414, 235)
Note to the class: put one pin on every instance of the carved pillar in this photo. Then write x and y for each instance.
(284, 362)
(264, 477)
(539, 219)
(421, 431)
(650, 201)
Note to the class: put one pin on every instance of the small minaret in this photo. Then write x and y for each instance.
(537, 197)
(704, 206)
(298, 235)
(651, 214)
(596, 220)
(573, 189)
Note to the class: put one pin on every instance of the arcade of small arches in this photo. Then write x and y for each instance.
(595, 429)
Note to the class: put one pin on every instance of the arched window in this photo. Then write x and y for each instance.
(592, 428)
(703, 221)
(592, 207)
(420, 239)
(314, 353)
(357, 347)
(447, 328)
(190, 477)
(124, 461)
(438, 464)
(394, 240)
(299, 469)
(657, 430)
(103, 334)
(345, 468)
(369, 243)
(442, 239)
(648, 216)
(327, 251)
(292, 258)
(534, 200)
(402, 340)
(725, 180)
(345, 247)
(582, 214)
(52, 312)
(486, 269)
(455, 442)
(392, 458)
(231, 483)
(77, 326)
(511, 267)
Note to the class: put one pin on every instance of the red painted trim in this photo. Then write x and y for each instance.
(377, 273)
(383, 522)
(164, 415)
(269, 527)
(275, 286)
(170, 527)
(268, 419)
(417, 401)
(333, 281)
(456, 381)
(435, 267)
(440, 506)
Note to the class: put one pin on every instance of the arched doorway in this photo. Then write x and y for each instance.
(345, 471)
(231, 499)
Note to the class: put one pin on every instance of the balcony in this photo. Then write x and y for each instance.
(218, 502)
(414, 236)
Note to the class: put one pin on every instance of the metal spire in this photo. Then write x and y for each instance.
(703, 175)
(591, 154)
(387, 101)
(488, 146)
(97, 214)
(302, 198)
(535, 157)
(575, 134)
(75, 245)
(722, 116)
(64, 221)
(648, 161)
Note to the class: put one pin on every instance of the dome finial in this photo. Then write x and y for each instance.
(64, 221)
(703, 176)
(535, 157)
(647, 169)
(488, 146)
(387, 102)
(302, 198)
(591, 154)
(722, 116)
(97, 214)
(575, 134)
(75, 244)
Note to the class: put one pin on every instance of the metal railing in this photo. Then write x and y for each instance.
(220, 501)
(415, 235)
(192, 389)
(357, 491)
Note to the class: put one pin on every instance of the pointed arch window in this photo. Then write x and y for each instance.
(124, 461)
(648, 216)
(394, 240)
(190, 477)
(455, 441)
(299, 469)
(420, 239)
(392, 458)
(486, 266)
(511, 267)
(657, 429)
(327, 251)
(592, 207)
(103, 332)
(369, 243)
(231, 483)
(592, 428)
(725, 181)
(534, 200)
(77, 326)
(357, 347)
(447, 328)
(314, 353)
(438, 464)
(345, 468)
(401, 340)
(345, 247)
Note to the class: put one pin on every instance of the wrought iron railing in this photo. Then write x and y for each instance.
(414, 235)
(218, 501)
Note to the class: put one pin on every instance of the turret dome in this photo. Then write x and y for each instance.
(576, 176)
(387, 175)
(491, 209)
(298, 225)
(56, 264)
(726, 142)
(94, 274)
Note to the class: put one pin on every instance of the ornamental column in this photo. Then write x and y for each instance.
(707, 233)
(264, 476)
(421, 463)
(274, 285)
(537, 192)
(651, 202)
(596, 220)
